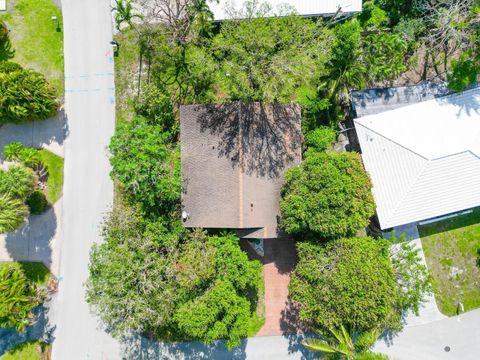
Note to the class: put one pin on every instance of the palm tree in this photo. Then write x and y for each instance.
(345, 345)
(12, 213)
(124, 13)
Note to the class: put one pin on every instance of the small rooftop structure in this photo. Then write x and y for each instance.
(227, 9)
(233, 159)
(423, 159)
(378, 100)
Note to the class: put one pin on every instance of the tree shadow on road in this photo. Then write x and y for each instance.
(138, 347)
(41, 330)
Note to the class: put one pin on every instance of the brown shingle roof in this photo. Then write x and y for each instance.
(233, 159)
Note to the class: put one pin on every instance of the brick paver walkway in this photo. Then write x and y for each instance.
(279, 261)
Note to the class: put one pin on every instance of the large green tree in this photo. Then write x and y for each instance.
(174, 285)
(327, 196)
(346, 282)
(269, 59)
(146, 163)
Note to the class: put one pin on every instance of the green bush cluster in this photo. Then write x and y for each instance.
(18, 297)
(25, 95)
(20, 153)
(16, 184)
(37, 202)
(327, 196)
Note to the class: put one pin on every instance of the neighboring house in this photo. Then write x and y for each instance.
(423, 159)
(233, 159)
(228, 9)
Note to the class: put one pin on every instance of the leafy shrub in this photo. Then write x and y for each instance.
(348, 282)
(328, 196)
(29, 157)
(17, 181)
(18, 297)
(8, 67)
(12, 213)
(12, 151)
(320, 139)
(413, 279)
(25, 96)
(37, 202)
(146, 164)
(155, 105)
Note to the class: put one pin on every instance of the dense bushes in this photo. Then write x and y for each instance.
(25, 96)
(18, 297)
(328, 196)
(193, 286)
(16, 184)
(146, 163)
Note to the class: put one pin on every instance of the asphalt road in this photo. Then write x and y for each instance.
(88, 190)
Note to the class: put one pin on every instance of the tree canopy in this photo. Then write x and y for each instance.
(193, 286)
(346, 282)
(146, 163)
(327, 196)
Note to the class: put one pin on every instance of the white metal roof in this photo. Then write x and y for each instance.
(223, 9)
(424, 159)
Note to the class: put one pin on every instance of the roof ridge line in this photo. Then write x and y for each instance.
(454, 154)
(393, 141)
(420, 173)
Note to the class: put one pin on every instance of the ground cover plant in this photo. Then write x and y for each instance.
(451, 250)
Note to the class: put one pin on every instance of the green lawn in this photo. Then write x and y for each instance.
(35, 42)
(451, 248)
(54, 166)
(30, 350)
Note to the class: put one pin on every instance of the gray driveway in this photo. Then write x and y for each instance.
(428, 342)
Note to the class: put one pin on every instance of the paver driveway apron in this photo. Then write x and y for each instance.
(88, 190)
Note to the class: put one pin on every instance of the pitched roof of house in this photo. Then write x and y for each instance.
(233, 159)
(424, 159)
(222, 10)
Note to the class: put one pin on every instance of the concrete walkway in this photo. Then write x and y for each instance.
(39, 239)
(428, 310)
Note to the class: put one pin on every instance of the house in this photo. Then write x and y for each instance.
(423, 158)
(233, 159)
(227, 9)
